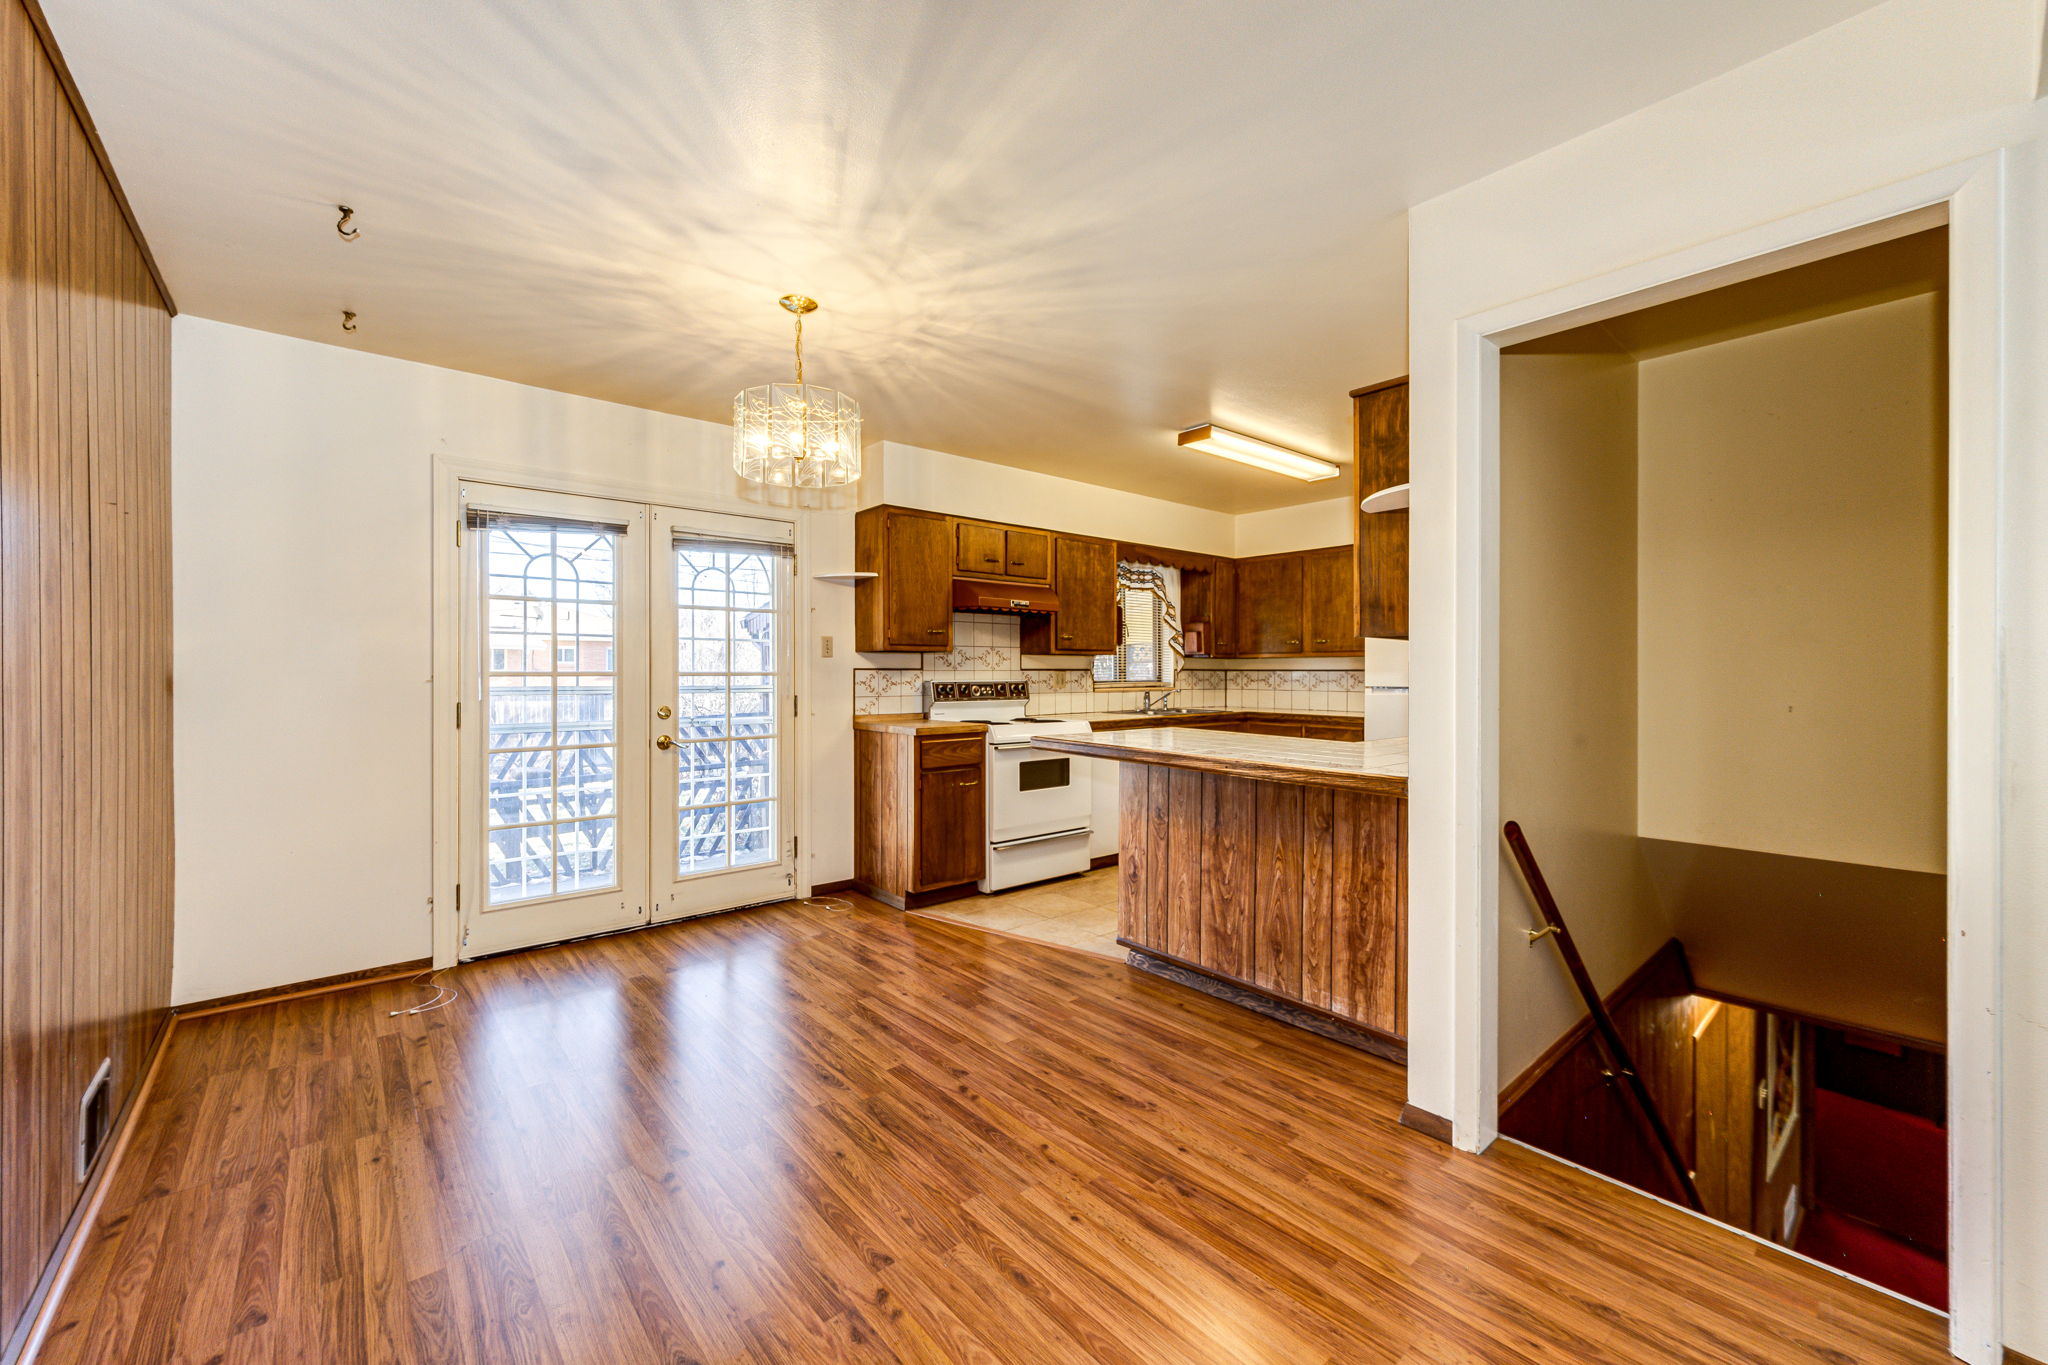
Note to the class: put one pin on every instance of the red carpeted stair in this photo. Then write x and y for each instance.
(1880, 1198)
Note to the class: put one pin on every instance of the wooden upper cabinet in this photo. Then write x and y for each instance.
(1269, 605)
(1028, 554)
(1084, 579)
(1380, 429)
(984, 550)
(909, 606)
(979, 549)
(1331, 606)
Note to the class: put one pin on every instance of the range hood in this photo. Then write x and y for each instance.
(1016, 599)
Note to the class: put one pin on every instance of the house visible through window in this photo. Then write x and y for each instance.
(1148, 629)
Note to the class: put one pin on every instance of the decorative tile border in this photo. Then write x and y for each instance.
(989, 646)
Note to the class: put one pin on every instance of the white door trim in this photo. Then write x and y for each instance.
(1972, 196)
(448, 473)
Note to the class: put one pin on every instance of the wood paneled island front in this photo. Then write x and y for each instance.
(1268, 871)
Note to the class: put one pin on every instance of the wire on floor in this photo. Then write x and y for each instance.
(443, 994)
(825, 903)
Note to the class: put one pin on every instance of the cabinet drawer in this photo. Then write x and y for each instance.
(954, 752)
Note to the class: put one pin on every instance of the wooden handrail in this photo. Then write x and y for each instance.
(1603, 1023)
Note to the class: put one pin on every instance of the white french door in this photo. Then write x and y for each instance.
(722, 760)
(626, 715)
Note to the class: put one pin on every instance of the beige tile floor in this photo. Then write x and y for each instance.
(1076, 912)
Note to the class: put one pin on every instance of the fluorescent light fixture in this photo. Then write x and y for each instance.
(1250, 450)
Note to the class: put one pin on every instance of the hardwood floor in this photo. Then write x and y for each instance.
(799, 1134)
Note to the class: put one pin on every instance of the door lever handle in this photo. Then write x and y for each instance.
(664, 742)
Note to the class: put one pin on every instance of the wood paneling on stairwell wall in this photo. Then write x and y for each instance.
(85, 751)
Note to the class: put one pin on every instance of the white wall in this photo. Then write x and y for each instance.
(302, 489)
(1305, 526)
(911, 476)
(1568, 684)
(1903, 89)
(1794, 602)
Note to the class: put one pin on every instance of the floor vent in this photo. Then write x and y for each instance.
(95, 1116)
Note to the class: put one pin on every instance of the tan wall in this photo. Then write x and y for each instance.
(1568, 682)
(1791, 590)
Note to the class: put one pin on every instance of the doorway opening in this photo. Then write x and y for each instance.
(626, 715)
(1723, 725)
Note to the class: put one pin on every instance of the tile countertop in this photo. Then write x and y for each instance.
(1379, 765)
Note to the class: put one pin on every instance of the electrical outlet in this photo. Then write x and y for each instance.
(824, 646)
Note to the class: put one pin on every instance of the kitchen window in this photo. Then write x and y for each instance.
(1148, 652)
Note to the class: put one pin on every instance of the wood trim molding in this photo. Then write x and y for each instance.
(1321, 1022)
(1105, 860)
(1375, 388)
(1821, 1020)
(41, 1310)
(833, 888)
(2013, 1357)
(340, 981)
(1572, 1036)
(1426, 1123)
(41, 22)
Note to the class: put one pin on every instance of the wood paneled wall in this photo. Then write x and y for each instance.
(1696, 1055)
(85, 719)
(1296, 891)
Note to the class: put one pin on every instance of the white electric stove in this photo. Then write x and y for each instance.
(1040, 805)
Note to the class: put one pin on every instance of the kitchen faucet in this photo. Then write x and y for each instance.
(1145, 707)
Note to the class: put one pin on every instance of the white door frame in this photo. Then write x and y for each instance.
(1971, 197)
(449, 472)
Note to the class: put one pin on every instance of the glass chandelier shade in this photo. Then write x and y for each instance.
(796, 435)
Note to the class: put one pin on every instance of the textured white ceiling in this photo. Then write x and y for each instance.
(1047, 233)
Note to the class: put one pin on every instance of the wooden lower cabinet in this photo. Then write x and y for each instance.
(1297, 893)
(918, 824)
(951, 837)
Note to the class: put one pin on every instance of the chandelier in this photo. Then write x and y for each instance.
(796, 435)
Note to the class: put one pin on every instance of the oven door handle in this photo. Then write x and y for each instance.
(1014, 744)
(1039, 838)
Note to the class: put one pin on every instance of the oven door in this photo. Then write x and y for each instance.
(1034, 792)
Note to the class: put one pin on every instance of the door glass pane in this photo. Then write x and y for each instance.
(550, 642)
(729, 613)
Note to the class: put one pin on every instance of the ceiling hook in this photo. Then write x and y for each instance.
(348, 321)
(348, 234)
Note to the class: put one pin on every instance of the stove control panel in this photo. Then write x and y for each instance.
(1009, 689)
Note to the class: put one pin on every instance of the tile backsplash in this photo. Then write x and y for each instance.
(987, 647)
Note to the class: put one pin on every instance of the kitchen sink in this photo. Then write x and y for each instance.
(1185, 711)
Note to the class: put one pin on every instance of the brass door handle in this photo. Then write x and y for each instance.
(664, 742)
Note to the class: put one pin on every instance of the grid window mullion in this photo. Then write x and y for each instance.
(567, 575)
